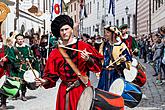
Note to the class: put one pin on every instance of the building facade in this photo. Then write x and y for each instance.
(142, 17)
(157, 14)
(28, 16)
(74, 12)
(125, 13)
(98, 16)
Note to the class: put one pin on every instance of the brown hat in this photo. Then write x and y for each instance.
(5, 10)
(113, 29)
(60, 21)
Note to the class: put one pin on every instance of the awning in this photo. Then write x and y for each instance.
(8, 2)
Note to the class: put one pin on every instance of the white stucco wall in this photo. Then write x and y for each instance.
(95, 18)
(158, 18)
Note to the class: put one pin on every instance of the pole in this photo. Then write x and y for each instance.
(149, 16)
(136, 17)
(48, 45)
(114, 20)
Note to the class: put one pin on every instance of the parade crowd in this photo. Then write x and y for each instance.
(110, 57)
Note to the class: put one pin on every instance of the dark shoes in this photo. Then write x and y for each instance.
(3, 107)
(23, 98)
(155, 75)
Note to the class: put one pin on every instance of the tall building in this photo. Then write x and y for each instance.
(157, 14)
(74, 12)
(142, 17)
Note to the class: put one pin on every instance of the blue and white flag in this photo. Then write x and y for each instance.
(112, 5)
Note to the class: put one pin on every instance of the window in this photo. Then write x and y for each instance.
(156, 4)
(50, 8)
(94, 1)
(89, 30)
(128, 22)
(75, 18)
(97, 10)
(46, 5)
(71, 8)
(93, 28)
(90, 7)
(74, 6)
(103, 3)
(110, 23)
(153, 6)
(122, 20)
(117, 22)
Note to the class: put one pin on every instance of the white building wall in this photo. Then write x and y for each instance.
(158, 18)
(93, 21)
(28, 23)
(95, 18)
(120, 13)
(143, 17)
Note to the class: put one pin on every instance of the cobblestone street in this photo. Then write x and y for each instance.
(42, 99)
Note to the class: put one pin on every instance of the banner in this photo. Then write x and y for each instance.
(112, 4)
(56, 8)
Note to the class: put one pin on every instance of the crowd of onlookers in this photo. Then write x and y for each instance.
(152, 50)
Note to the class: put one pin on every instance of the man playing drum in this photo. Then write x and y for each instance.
(116, 58)
(17, 55)
(129, 40)
(81, 54)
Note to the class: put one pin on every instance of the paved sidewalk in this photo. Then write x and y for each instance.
(155, 94)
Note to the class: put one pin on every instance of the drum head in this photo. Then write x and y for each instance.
(134, 62)
(117, 87)
(29, 76)
(131, 74)
(2, 80)
(86, 98)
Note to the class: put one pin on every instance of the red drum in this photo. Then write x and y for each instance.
(96, 99)
(138, 65)
(135, 76)
(130, 92)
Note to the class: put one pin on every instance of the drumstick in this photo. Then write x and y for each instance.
(72, 49)
(31, 67)
(3, 57)
(116, 60)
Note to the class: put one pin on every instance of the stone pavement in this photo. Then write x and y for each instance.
(42, 99)
(155, 94)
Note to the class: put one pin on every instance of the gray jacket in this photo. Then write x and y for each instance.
(158, 51)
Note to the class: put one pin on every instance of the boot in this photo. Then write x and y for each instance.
(23, 98)
(3, 102)
(16, 96)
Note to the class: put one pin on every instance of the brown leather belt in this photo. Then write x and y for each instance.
(71, 85)
(108, 69)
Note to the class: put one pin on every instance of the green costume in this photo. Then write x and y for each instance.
(17, 56)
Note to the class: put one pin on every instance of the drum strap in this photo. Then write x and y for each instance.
(84, 79)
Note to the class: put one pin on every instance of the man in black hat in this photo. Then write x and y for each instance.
(129, 40)
(57, 65)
